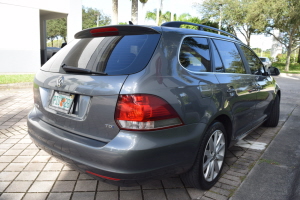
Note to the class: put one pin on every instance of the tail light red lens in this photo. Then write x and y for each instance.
(145, 112)
(110, 31)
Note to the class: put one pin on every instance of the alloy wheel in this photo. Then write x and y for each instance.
(213, 155)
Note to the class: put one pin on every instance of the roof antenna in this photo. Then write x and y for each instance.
(130, 23)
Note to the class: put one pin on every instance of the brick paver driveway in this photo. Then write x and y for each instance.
(30, 173)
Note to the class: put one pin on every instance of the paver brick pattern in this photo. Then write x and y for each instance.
(30, 173)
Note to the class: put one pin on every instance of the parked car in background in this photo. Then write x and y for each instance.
(125, 104)
(51, 51)
(266, 61)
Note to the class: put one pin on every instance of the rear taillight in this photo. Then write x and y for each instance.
(145, 112)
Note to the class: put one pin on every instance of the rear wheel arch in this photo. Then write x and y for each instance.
(210, 159)
(279, 94)
(227, 123)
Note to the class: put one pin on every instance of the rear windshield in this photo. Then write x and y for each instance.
(116, 55)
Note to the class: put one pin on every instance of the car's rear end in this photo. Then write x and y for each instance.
(81, 118)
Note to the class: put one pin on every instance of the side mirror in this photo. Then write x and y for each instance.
(266, 74)
(274, 71)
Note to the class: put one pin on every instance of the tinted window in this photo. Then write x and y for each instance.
(114, 55)
(194, 54)
(230, 56)
(131, 54)
(256, 67)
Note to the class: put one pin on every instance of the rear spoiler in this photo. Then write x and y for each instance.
(116, 30)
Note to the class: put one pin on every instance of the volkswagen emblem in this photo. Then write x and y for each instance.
(60, 81)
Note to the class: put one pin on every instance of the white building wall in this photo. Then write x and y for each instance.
(61, 6)
(73, 18)
(19, 39)
(21, 36)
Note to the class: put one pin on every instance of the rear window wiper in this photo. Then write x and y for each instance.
(80, 70)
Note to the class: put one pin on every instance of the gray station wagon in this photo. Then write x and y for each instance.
(126, 104)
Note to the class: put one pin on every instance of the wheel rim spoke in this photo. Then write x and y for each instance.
(211, 176)
(208, 159)
(219, 148)
(211, 144)
(219, 138)
(217, 168)
(206, 174)
(219, 157)
(215, 140)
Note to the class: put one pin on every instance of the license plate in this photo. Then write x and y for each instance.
(61, 102)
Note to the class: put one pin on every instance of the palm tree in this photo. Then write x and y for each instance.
(158, 12)
(143, 6)
(134, 11)
(166, 17)
(115, 12)
(143, 3)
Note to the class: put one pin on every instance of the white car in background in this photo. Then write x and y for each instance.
(268, 65)
(266, 61)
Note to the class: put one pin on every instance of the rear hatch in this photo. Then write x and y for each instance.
(77, 89)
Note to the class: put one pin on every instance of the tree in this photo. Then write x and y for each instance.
(62, 26)
(234, 15)
(89, 18)
(284, 16)
(51, 30)
(143, 3)
(143, 6)
(115, 11)
(166, 17)
(56, 28)
(158, 12)
(134, 11)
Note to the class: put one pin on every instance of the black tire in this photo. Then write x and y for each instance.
(273, 119)
(196, 177)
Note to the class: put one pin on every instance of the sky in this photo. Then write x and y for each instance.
(177, 6)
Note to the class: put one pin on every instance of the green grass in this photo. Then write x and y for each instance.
(16, 78)
(294, 68)
(272, 162)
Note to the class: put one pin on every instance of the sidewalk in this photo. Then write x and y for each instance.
(30, 173)
(277, 174)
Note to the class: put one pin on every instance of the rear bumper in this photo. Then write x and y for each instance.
(131, 156)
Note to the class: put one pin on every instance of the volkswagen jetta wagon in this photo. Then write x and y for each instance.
(130, 103)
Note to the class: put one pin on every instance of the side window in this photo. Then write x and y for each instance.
(256, 67)
(230, 56)
(194, 54)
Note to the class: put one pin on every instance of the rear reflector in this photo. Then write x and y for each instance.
(110, 31)
(145, 112)
(109, 178)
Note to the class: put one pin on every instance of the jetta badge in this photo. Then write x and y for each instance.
(60, 81)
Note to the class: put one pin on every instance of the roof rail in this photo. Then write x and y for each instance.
(201, 27)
